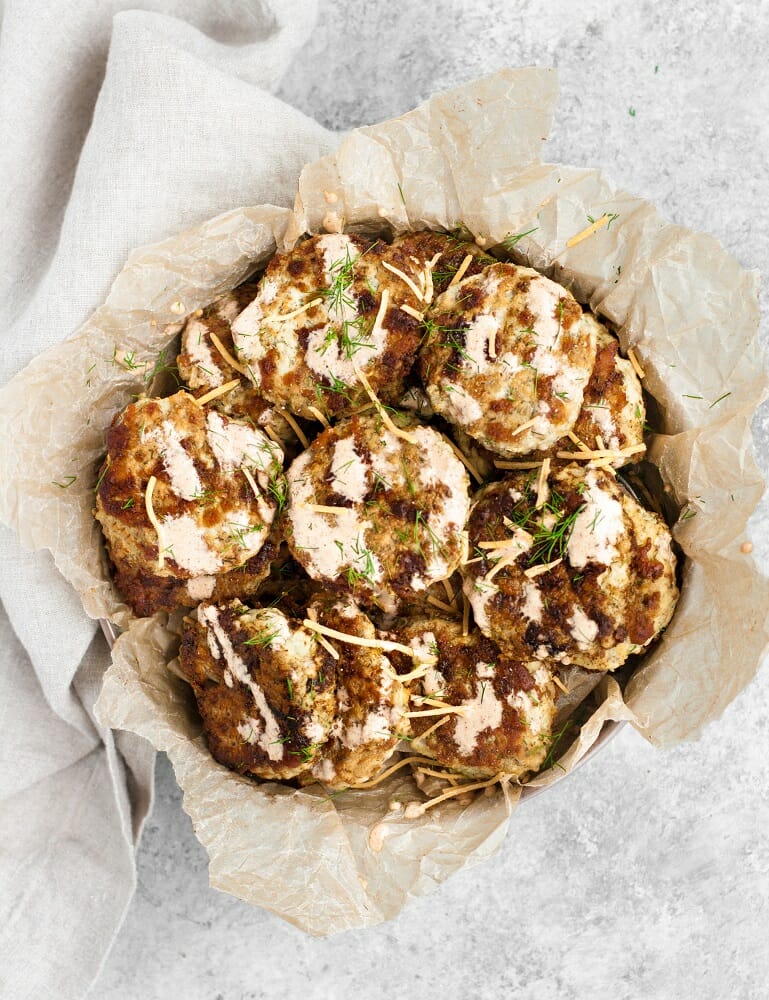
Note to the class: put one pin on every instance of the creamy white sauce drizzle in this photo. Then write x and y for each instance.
(182, 540)
(484, 711)
(349, 473)
(180, 466)
(597, 527)
(269, 733)
(205, 370)
(582, 628)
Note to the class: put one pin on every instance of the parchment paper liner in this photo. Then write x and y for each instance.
(471, 156)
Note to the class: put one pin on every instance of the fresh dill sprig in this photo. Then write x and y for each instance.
(511, 241)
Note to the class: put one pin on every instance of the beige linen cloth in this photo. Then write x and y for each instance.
(119, 127)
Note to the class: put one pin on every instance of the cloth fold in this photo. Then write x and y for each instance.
(122, 124)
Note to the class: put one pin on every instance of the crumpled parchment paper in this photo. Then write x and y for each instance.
(469, 156)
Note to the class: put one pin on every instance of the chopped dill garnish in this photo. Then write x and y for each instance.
(512, 240)
(66, 482)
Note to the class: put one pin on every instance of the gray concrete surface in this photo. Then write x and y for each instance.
(646, 874)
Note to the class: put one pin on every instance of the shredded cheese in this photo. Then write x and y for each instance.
(251, 481)
(289, 418)
(386, 420)
(542, 490)
(269, 431)
(429, 287)
(226, 354)
(577, 441)
(460, 790)
(534, 571)
(280, 317)
(450, 608)
(405, 278)
(526, 426)
(632, 449)
(444, 775)
(593, 228)
(448, 710)
(322, 418)
(410, 311)
(466, 462)
(215, 393)
(502, 464)
(559, 683)
(449, 591)
(322, 508)
(153, 517)
(356, 640)
(403, 762)
(631, 356)
(431, 730)
(465, 616)
(460, 272)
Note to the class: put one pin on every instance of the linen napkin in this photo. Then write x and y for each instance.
(120, 127)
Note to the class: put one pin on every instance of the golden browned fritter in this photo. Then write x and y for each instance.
(397, 513)
(265, 688)
(320, 317)
(587, 578)
(371, 702)
(209, 523)
(507, 705)
(507, 358)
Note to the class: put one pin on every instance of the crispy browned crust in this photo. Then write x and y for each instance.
(473, 669)
(628, 611)
(225, 704)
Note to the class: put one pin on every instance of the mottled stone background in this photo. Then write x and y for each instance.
(646, 874)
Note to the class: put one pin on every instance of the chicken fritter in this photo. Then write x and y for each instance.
(264, 685)
(508, 706)
(371, 703)
(325, 311)
(374, 515)
(507, 357)
(586, 577)
(186, 499)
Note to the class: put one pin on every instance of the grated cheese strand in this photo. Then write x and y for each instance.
(542, 490)
(322, 418)
(410, 311)
(215, 393)
(534, 571)
(153, 516)
(460, 790)
(322, 508)
(460, 272)
(386, 420)
(289, 418)
(355, 640)
(431, 730)
(280, 317)
(442, 605)
(502, 464)
(465, 616)
(251, 481)
(526, 426)
(577, 441)
(593, 228)
(403, 762)
(632, 449)
(269, 431)
(559, 683)
(444, 775)
(226, 354)
(449, 591)
(633, 359)
(429, 287)
(466, 462)
(448, 710)
(404, 277)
